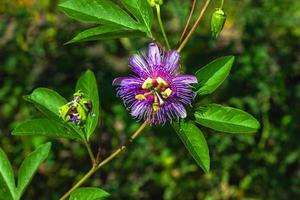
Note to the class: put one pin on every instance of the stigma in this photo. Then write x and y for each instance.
(157, 91)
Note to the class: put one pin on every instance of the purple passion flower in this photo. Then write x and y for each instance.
(157, 92)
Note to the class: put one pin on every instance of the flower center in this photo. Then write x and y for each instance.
(157, 90)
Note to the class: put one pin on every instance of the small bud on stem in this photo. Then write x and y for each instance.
(217, 22)
(153, 3)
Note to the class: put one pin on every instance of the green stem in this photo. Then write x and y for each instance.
(91, 154)
(194, 26)
(222, 3)
(188, 21)
(106, 160)
(79, 183)
(123, 147)
(162, 26)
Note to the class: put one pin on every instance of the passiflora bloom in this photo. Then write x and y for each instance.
(157, 92)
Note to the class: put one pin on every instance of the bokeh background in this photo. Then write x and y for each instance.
(264, 35)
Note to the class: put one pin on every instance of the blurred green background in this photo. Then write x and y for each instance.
(265, 81)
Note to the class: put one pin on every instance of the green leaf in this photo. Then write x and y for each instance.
(226, 119)
(88, 193)
(211, 76)
(7, 181)
(98, 11)
(104, 32)
(45, 127)
(88, 85)
(194, 141)
(47, 101)
(142, 11)
(30, 165)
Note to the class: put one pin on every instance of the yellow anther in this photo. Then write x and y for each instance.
(148, 83)
(162, 82)
(155, 107)
(166, 93)
(140, 97)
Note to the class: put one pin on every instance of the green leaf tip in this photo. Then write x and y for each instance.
(104, 32)
(99, 12)
(195, 142)
(89, 193)
(212, 75)
(7, 180)
(30, 165)
(45, 127)
(226, 119)
(8, 188)
(87, 83)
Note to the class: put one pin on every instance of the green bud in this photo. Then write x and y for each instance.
(153, 3)
(82, 113)
(79, 93)
(77, 110)
(217, 22)
(86, 104)
(64, 112)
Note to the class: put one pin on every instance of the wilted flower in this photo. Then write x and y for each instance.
(76, 110)
(157, 92)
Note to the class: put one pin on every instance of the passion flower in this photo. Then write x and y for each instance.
(157, 92)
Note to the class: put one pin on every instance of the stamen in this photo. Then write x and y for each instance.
(162, 82)
(155, 104)
(165, 94)
(158, 90)
(147, 83)
(160, 100)
(140, 97)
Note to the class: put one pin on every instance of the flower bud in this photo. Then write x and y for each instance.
(217, 22)
(153, 3)
(77, 110)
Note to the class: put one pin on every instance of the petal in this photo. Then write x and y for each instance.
(183, 89)
(172, 61)
(139, 109)
(186, 79)
(127, 81)
(154, 55)
(179, 110)
(139, 65)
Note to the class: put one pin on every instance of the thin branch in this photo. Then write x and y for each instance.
(188, 21)
(162, 26)
(105, 161)
(91, 154)
(123, 147)
(194, 26)
(222, 3)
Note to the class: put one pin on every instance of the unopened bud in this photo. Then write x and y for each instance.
(217, 22)
(77, 110)
(153, 3)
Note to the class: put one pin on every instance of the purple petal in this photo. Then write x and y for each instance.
(74, 118)
(154, 55)
(128, 88)
(139, 65)
(139, 109)
(179, 110)
(126, 81)
(172, 61)
(184, 90)
(187, 79)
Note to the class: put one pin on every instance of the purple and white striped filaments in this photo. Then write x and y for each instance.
(157, 92)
